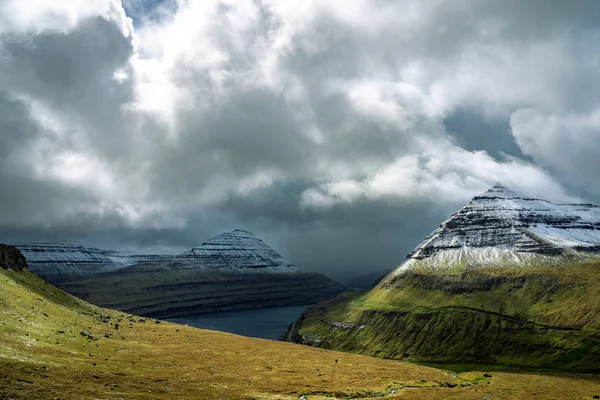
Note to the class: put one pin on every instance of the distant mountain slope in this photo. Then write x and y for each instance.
(236, 250)
(232, 271)
(508, 279)
(54, 346)
(63, 262)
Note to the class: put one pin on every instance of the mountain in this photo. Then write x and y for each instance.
(61, 262)
(502, 225)
(57, 346)
(238, 251)
(232, 271)
(507, 280)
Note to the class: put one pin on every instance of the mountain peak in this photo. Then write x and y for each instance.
(239, 233)
(499, 191)
(237, 249)
(502, 225)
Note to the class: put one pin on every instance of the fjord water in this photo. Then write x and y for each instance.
(264, 323)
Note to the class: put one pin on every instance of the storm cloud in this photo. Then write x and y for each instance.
(340, 132)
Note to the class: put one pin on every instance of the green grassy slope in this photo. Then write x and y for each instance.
(535, 317)
(44, 355)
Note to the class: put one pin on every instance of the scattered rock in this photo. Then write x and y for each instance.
(88, 335)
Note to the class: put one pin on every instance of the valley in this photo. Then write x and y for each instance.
(230, 272)
(56, 346)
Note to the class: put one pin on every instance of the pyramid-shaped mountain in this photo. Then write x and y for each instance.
(503, 225)
(508, 280)
(232, 271)
(235, 250)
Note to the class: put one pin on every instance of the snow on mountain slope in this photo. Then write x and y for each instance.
(58, 262)
(501, 225)
(232, 271)
(61, 262)
(124, 258)
(235, 250)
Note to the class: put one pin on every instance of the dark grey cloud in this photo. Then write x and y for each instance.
(475, 131)
(342, 133)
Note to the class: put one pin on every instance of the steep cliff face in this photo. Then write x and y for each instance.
(12, 258)
(232, 271)
(508, 279)
(62, 262)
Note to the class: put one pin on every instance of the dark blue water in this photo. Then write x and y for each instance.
(265, 323)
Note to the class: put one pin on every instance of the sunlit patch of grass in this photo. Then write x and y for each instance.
(544, 317)
(44, 355)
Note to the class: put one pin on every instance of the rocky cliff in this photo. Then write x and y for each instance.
(508, 279)
(232, 271)
(12, 258)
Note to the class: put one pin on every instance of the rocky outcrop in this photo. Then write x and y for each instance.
(12, 258)
(63, 262)
(232, 271)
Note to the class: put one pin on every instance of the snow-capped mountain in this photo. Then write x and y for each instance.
(509, 279)
(62, 262)
(232, 271)
(235, 250)
(503, 226)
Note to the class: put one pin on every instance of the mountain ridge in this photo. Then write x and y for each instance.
(232, 271)
(56, 346)
(64, 262)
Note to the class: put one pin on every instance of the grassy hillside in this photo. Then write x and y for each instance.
(53, 346)
(536, 317)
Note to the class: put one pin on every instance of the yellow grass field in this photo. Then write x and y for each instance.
(53, 346)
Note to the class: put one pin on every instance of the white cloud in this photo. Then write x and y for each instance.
(441, 171)
(37, 16)
(344, 102)
(567, 144)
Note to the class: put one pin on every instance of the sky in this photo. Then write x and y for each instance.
(340, 132)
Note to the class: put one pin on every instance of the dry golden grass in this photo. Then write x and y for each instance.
(44, 356)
